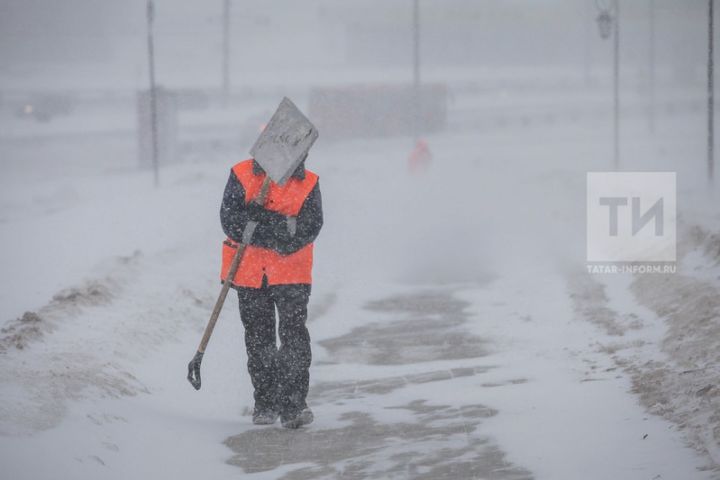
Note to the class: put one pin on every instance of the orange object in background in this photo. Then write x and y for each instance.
(420, 157)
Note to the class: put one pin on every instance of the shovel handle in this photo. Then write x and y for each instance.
(247, 236)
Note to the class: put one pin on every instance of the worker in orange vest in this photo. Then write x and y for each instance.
(275, 272)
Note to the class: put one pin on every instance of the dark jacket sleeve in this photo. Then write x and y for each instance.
(272, 230)
(233, 215)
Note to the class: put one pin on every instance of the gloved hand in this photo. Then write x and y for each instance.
(260, 214)
(194, 370)
(256, 213)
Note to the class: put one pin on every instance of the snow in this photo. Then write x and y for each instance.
(494, 231)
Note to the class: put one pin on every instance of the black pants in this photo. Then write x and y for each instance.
(280, 376)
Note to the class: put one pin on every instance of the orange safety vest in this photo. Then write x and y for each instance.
(257, 262)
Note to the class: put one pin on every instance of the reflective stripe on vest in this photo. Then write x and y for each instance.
(257, 262)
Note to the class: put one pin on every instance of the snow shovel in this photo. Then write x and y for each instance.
(279, 150)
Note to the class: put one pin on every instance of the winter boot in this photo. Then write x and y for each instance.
(264, 416)
(296, 420)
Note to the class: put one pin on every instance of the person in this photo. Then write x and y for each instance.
(275, 272)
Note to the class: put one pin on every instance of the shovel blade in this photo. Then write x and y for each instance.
(285, 142)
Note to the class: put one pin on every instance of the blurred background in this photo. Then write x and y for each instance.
(67, 65)
(442, 122)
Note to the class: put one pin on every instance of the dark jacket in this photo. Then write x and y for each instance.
(273, 230)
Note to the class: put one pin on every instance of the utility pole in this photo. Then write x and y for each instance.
(416, 70)
(651, 68)
(226, 52)
(153, 91)
(607, 19)
(587, 45)
(616, 84)
(710, 95)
